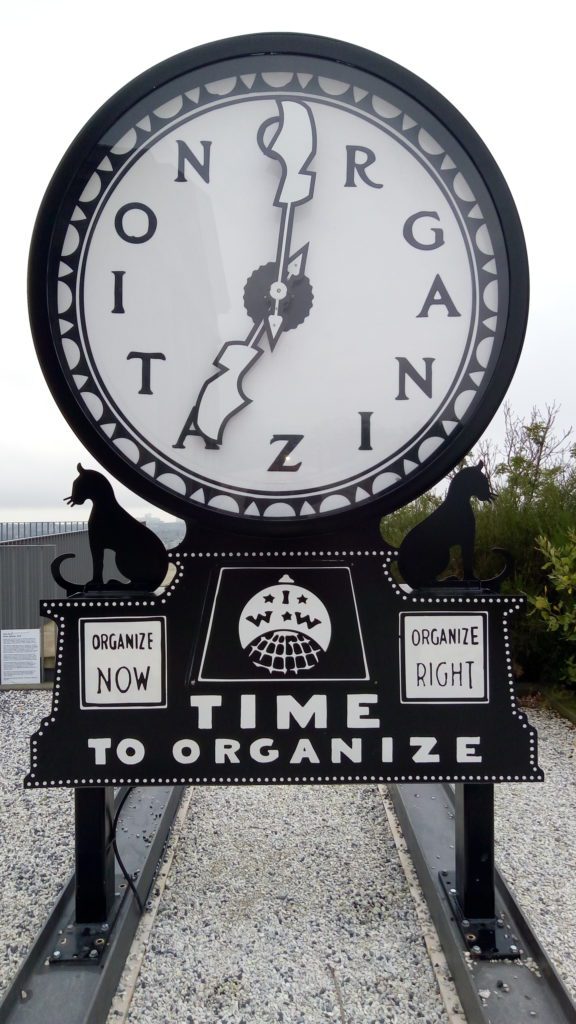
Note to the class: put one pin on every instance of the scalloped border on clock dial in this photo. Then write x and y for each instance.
(195, 491)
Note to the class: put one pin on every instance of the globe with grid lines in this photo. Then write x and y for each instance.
(285, 628)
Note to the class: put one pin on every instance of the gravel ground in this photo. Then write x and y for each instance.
(36, 833)
(535, 831)
(287, 904)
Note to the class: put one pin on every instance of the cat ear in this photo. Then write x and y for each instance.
(480, 465)
(80, 468)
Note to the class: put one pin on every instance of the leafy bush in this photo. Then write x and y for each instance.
(534, 475)
(557, 605)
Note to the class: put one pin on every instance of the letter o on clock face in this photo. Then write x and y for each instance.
(278, 281)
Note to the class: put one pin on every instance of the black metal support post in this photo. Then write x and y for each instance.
(470, 889)
(94, 816)
(475, 849)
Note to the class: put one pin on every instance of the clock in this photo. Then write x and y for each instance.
(278, 281)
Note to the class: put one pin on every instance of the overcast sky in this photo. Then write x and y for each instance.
(509, 68)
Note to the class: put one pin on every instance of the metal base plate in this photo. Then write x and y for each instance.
(87, 941)
(485, 938)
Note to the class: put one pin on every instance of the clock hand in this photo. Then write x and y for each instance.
(282, 293)
(289, 138)
(221, 395)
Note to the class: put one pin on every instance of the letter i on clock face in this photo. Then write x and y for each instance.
(278, 279)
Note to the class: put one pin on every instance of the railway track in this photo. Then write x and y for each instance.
(72, 971)
(525, 987)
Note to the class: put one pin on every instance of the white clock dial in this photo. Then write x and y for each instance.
(283, 292)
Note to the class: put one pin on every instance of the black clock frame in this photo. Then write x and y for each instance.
(84, 153)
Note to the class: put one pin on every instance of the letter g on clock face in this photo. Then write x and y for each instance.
(278, 279)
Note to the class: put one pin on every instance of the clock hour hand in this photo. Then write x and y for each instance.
(277, 296)
(221, 395)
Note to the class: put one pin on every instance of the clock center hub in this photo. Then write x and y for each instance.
(265, 294)
(278, 291)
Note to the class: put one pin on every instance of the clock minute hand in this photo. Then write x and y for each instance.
(289, 138)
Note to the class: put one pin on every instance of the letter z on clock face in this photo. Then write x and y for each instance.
(278, 279)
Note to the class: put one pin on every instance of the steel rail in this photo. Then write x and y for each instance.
(71, 972)
(496, 991)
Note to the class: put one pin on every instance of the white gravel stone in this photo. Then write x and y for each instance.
(36, 833)
(535, 831)
(286, 905)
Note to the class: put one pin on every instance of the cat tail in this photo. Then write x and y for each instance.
(124, 585)
(67, 585)
(494, 582)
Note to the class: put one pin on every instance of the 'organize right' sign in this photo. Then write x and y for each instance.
(444, 657)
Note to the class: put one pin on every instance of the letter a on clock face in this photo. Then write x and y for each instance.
(278, 278)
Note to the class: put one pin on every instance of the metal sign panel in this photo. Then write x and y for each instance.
(276, 665)
(271, 290)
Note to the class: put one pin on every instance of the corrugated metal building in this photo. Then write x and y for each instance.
(25, 576)
(26, 553)
(25, 568)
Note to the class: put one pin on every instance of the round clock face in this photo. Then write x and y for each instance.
(278, 279)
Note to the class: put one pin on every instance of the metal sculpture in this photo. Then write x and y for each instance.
(424, 554)
(140, 555)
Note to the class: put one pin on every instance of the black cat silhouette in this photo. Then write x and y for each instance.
(425, 551)
(140, 555)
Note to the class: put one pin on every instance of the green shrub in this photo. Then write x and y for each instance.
(557, 605)
(534, 475)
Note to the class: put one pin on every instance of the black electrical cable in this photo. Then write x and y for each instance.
(114, 844)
